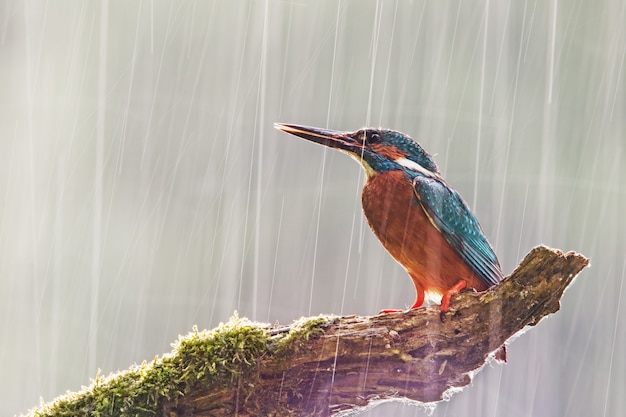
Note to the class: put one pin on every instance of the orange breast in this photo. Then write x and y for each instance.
(399, 222)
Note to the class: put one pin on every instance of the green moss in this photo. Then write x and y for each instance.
(302, 330)
(234, 347)
(200, 357)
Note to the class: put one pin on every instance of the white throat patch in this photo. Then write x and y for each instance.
(369, 171)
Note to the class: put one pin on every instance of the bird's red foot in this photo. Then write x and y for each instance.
(390, 310)
(456, 288)
(419, 300)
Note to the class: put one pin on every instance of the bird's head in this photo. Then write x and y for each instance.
(378, 150)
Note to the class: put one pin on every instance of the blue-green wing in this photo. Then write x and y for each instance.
(452, 217)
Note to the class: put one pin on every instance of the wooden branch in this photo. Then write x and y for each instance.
(331, 365)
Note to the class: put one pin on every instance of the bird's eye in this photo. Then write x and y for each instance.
(373, 137)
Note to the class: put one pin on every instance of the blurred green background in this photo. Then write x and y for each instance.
(143, 188)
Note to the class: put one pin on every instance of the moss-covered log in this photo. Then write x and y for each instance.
(327, 365)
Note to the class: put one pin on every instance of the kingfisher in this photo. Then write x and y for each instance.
(423, 223)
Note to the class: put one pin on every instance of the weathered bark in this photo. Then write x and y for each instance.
(418, 355)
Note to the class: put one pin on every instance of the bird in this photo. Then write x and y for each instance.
(420, 220)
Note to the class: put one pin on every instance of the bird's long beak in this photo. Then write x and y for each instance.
(332, 138)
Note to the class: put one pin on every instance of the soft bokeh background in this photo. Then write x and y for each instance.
(143, 188)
